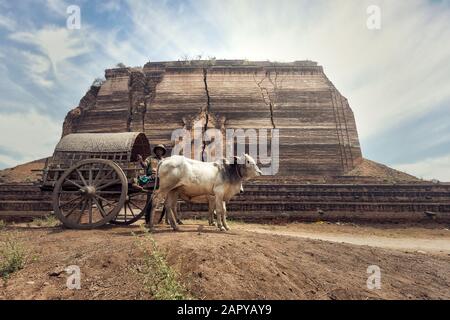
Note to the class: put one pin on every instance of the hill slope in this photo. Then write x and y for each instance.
(239, 264)
(23, 172)
(380, 172)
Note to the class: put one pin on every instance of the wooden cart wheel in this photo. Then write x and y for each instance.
(90, 194)
(133, 209)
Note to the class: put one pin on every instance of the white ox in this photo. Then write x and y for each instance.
(205, 182)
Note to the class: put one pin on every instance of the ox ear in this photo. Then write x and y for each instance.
(239, 160)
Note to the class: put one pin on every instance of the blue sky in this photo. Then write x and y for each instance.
(397, 79)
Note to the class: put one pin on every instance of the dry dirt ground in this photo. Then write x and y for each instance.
(249, 262)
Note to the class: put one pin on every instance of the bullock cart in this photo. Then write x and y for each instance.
(91, 176)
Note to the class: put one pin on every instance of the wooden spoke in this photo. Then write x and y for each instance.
(103, 179)
(109, 212)
(81, 211)
(108, 192)
(84, 206)
(100, 207)
(72, 210)
(111, 183)
(81, 177)
(67, 192)
(90, 210)
(90, 176)
(100, 170)
(74, 183)
(131, 210)
(70, 201)
(106, 200)
(134, 204)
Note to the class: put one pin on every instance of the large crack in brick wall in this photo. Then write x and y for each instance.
(205, 111)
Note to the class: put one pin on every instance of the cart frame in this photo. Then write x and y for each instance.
(93, 178)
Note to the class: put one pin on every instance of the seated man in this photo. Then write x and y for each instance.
(150, 165)
(148, 180)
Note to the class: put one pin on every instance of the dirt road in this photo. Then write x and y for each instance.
(249, 262)
(413, 240)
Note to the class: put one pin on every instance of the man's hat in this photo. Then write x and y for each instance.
(160, 146)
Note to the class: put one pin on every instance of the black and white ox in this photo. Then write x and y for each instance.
(201, 182)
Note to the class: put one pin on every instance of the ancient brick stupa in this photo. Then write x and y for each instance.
(318, 135)
(322, 174)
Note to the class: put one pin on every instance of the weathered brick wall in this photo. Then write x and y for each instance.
(318, 135)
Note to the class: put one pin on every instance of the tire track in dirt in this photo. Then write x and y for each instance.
(405, 244)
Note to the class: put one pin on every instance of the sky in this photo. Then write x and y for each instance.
(396, 77)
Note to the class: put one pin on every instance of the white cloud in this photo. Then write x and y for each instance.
(7, 23)
(14, 96)
(159, 30)
(431, 168)
(388, 76)
(30, 135)
(109, 6)
(39, 68)
(59, 44)
(57, 6)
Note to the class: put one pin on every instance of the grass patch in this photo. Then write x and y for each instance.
(2, 224)
(47, 221)
(159, 278)
(12, 257)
